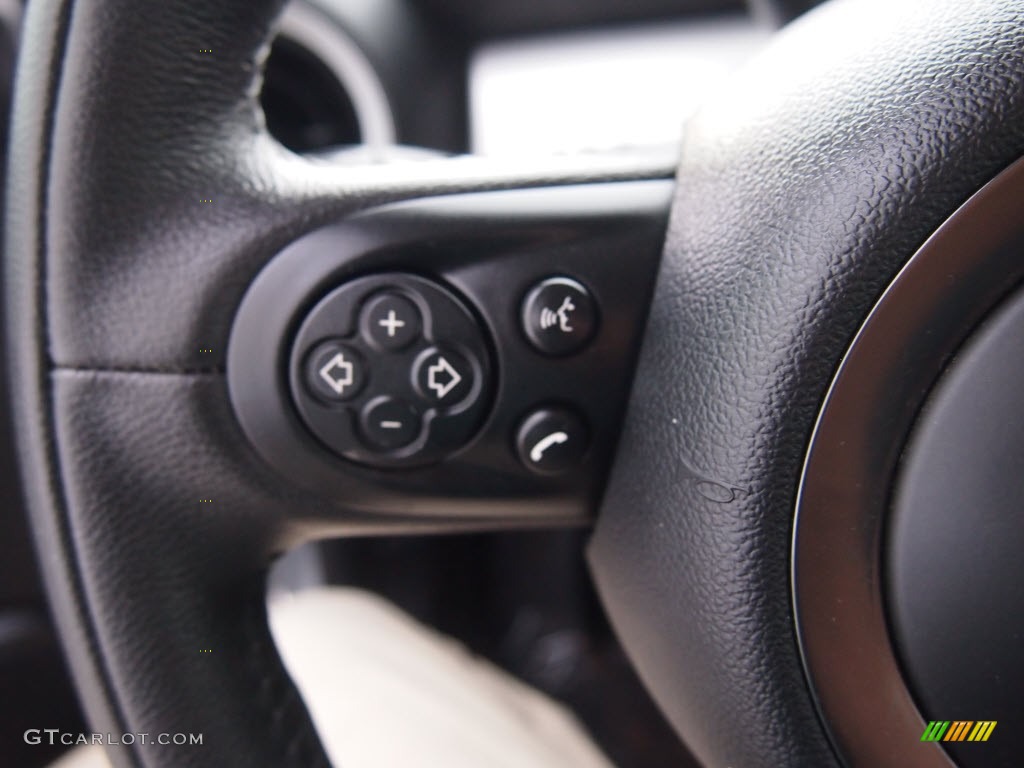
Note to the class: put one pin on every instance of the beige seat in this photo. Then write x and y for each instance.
(384, 690)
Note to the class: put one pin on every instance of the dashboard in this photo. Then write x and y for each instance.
(499, 78)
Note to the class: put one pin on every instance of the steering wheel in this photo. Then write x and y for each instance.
(173, 276)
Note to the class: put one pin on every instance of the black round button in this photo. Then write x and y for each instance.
(335, 372)
(389, 423)
(391, 370)
(442, 377)
(391, 321)
(551, 441)
(559, 316)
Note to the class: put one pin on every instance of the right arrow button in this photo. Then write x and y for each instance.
(442, 377)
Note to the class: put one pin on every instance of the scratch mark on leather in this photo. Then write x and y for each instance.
(715, 491)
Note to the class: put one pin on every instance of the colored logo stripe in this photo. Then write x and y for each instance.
(958, 730)
(982, 730)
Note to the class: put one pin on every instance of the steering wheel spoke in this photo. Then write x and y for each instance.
(148, 206)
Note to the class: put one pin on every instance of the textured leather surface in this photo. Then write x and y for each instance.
(165, 576)
(117, 276)
(147, 128)
(803, 188)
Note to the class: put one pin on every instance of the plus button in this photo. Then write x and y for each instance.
(392, 323)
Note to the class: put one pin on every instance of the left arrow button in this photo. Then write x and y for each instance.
(335, 372)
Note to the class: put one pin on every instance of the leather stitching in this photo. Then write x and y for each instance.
(141, 371)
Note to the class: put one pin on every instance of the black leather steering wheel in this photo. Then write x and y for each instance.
(803, 189)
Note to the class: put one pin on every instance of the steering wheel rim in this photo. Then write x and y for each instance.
(123, 420)
(802, 191)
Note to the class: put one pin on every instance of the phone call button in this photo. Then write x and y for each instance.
(551, 441)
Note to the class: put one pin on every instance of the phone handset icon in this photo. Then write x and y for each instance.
(555, 438)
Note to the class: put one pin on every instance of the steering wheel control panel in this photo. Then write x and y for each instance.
(464, 357)
(391, 370)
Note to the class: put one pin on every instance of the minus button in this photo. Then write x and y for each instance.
(389, 423)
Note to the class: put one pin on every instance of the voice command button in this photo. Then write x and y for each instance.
(559, 316)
